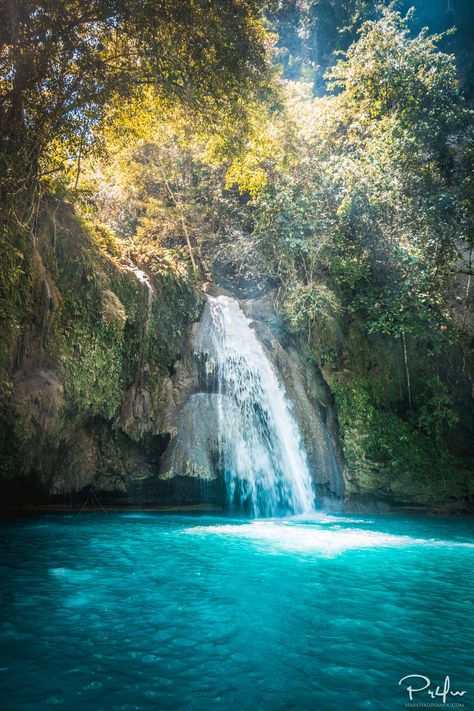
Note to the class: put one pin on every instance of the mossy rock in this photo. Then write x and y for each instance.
(387, 456)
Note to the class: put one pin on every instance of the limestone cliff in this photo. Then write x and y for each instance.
(90, 367)
(100, 387)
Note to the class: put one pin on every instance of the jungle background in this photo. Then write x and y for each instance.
(315, 152)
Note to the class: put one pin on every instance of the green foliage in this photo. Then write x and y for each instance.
(91, 354)
(162, 123)
(374, 205)
(63, 61)
(406, 302)
(68, 67)
(435, 412)
(311, 33)
(104, 331)
(303, 305)
(387, 455)
(14, 283)
(162, 190)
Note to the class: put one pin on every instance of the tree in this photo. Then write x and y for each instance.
(312, 32)
(377, 202)
(63, 60)
(65, 63)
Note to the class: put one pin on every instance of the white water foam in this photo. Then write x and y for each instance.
(287, 536)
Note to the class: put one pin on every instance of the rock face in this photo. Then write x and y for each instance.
(94, 367)
(193, 452)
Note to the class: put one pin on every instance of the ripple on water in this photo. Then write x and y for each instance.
(182, 612)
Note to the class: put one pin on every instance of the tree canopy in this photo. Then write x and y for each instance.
(62, 61)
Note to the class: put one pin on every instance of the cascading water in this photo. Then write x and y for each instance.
(261, 452)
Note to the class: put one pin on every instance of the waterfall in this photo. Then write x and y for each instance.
(260, 449)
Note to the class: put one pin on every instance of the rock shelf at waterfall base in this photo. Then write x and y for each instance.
(53, 509)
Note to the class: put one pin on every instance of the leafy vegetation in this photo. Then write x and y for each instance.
(311, 33)
(320, 151)
(67, 65)
(384, 451)
(106, 328)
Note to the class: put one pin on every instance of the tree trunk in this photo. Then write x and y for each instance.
(407, 371)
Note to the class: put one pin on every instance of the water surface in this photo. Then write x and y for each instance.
(153, 611)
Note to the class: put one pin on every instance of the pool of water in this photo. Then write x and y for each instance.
(154, 611)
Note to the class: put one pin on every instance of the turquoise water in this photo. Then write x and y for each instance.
(153, 611)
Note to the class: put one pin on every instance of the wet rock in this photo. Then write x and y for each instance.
(37, 397)
(194, 448)
(314, 411)
(193, 452)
